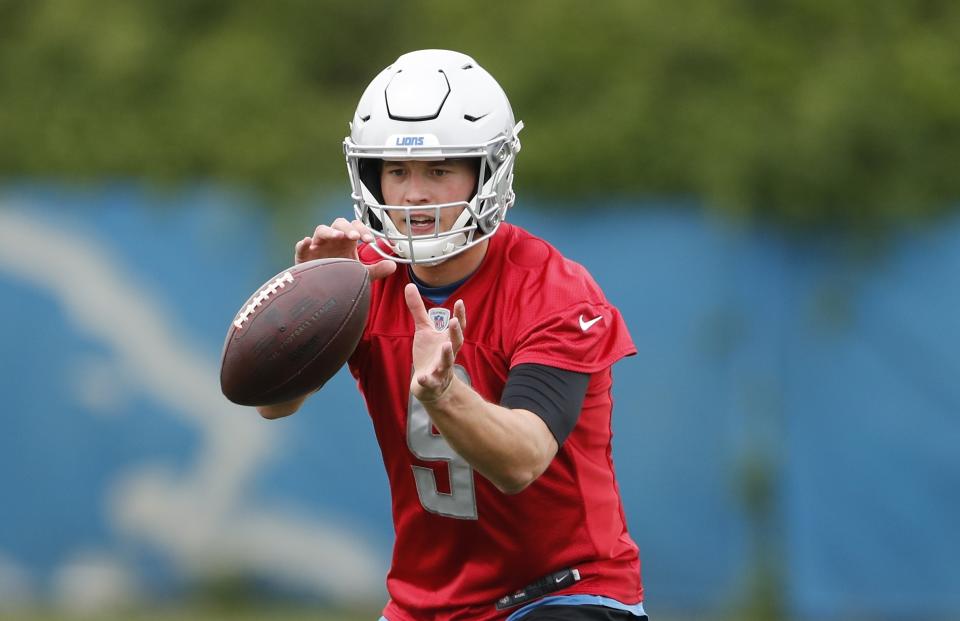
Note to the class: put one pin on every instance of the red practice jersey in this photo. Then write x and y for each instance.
(461, 544)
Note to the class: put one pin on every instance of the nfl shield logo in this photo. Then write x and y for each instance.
(440, 318)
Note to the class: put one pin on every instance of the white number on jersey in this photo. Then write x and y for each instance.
(461, 502)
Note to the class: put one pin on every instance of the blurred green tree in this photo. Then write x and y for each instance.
(808, 112)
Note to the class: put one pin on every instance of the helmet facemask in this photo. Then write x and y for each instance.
(480, 217)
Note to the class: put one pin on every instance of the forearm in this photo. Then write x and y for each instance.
(510, 448)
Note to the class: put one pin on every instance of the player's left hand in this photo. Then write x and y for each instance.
(433, 352)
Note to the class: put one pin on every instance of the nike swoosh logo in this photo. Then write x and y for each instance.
(586, 325)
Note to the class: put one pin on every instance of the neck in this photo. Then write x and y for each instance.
(453, 269)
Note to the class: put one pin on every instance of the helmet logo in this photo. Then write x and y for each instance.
(409, 141)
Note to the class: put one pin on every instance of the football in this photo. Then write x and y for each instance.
(295, 332)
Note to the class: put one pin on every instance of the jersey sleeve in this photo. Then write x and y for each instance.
(585, 337)
(555, 395)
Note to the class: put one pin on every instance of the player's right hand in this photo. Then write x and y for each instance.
(339, 241)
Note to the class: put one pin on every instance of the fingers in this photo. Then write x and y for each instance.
(326, 243)
(346, 228)
(447, 357)
(456, 334)
(438, 379)
(415, 305)
(324, 233)
(365, 233)
(381, 269)
(354, 231)
(460, 312)
(301, 249)
(338, 239)
(341, 229)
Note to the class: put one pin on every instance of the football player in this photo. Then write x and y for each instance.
(485, 364)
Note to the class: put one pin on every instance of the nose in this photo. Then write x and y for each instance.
(417, 191)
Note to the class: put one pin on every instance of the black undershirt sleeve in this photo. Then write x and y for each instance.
(553, 394)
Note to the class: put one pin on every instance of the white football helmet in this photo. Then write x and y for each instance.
(433, 105)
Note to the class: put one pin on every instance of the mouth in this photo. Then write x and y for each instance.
(422, 224)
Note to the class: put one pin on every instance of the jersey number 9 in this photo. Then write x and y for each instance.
(461, 502)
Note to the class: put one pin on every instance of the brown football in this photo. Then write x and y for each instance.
(295, 332)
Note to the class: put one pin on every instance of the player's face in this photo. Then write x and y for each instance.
(415, 182)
